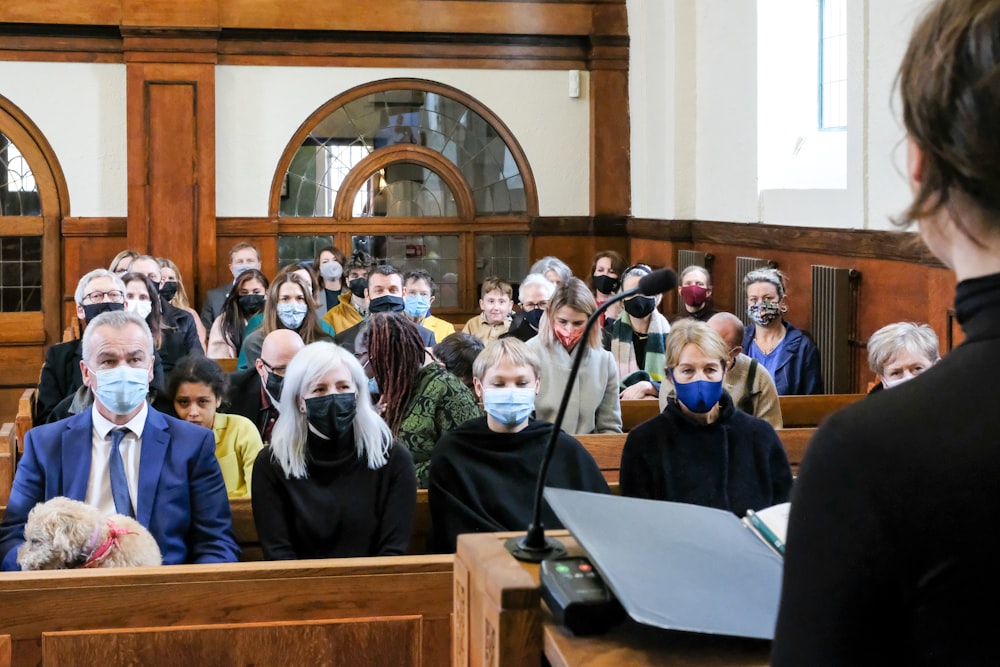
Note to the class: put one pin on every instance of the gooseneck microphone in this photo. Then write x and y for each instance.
(534, 546)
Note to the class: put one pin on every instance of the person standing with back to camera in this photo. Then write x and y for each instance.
(892, 543)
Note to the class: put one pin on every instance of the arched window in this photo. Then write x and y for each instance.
(33, 197)
(416, 173)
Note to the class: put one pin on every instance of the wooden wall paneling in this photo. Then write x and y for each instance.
(171, 165)
(73, 12)
(437, 16)
(8, 405)
(610, 170)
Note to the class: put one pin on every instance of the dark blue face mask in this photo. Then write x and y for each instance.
(699, 396)
(534, 317)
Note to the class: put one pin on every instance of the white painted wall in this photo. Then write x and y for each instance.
(80, 109)
(723, 141)
(259, 108)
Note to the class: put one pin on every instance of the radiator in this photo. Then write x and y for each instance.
(745, 265)
(834, 320)
(686, 258)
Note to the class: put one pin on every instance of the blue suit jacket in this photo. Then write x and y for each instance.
(182, 496)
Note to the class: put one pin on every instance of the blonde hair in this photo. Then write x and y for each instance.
(181, 298)
(688, 331)
(573, 294)
(511, 349)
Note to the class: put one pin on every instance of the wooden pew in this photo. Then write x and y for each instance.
(358, 611)
(246, 531)
(809, 411)
(607, 449)
(8, 460)
(25, 415)
(796, 411)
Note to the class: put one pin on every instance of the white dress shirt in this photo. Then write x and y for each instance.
(99, 484)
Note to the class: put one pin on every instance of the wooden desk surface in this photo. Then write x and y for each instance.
(637, 645)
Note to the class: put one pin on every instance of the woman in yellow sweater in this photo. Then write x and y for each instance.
(196, 387)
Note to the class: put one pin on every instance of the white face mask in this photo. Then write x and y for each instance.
(142, 308)
(889, 384)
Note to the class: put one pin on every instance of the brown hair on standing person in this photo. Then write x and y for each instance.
(891, 548)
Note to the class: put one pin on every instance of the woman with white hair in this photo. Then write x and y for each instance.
(333, 483)
(554, 269)
(901, 351)
(533, 296)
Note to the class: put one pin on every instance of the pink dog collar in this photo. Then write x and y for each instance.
(98, 554)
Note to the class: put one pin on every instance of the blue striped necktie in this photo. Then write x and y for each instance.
(119, 482)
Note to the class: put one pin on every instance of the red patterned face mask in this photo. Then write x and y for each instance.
(569, 339)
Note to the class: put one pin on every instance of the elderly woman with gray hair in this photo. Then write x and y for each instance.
(789, 355)
(901, 351)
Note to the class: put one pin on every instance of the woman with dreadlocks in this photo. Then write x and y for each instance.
(419, 400)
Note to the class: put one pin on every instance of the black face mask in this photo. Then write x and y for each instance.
(534, 317)
(92, 310)
(168, 290)
(251, 304)
(387, 303)
(273, 385)
(358, 287)
(332, 415)
(640, 306)
(605, 284)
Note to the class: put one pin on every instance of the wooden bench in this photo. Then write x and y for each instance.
(25, 415)
(357, 611)
(796, 411)
(8, 460)
(228, 364)
(245, 529)
(607, 449)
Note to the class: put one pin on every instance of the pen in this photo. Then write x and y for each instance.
(766, 532)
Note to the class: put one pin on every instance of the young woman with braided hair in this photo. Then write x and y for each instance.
(418, 399)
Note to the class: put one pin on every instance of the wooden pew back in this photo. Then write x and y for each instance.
(25, 415)
(402, 604)
(8, 460)
(796, 411)
(607, 449)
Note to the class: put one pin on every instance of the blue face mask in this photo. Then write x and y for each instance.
(373, 387)
(416, 306)
(122, 389)
(699, 396)
(510, 407)
(292, 314)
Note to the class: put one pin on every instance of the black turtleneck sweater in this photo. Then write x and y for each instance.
(484, 481)
(892, 541)
(341, 509)
(735, 463)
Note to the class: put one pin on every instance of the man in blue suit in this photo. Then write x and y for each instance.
(123, 456)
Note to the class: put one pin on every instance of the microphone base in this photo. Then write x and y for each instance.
(519, 550)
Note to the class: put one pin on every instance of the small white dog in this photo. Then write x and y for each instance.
(63, 534)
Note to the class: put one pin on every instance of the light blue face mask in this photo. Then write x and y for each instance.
(373, 387)
(292, 314)
(122, 389)
(509, 406)
(416, 306)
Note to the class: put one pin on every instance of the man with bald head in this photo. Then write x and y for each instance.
(749, 383)
(254, 393)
